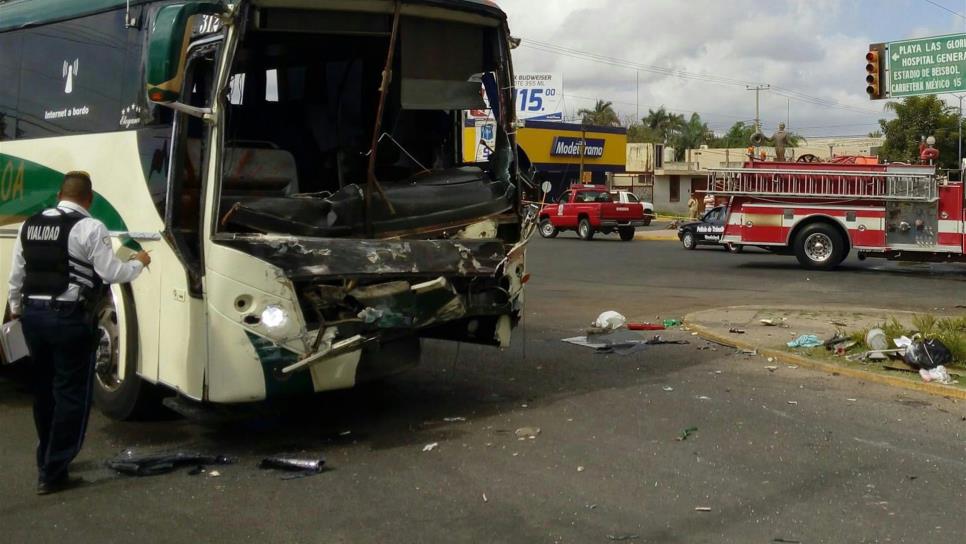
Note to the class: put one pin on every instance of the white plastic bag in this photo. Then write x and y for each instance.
(610, 320)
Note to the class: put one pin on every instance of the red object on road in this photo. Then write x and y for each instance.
(645, 327)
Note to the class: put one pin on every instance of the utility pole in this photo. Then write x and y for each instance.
(757, 89)
(638, 95)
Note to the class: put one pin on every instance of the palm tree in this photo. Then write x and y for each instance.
(663, 123)
(691, 135)
(603, 115)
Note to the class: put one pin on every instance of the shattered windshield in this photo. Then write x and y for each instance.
(302, 111)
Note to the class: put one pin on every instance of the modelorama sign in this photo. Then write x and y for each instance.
(927, 65)
(569, 146)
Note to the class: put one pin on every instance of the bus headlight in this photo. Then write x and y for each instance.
(274, 317)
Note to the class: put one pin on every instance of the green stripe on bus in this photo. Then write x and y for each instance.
(27, 187)
(274, 358)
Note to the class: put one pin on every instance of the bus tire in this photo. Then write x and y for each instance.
(627, 233)
(116, 344)
(820, 246)
(584, 230)
(547, 230)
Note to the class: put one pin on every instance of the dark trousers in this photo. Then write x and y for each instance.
(62, 352)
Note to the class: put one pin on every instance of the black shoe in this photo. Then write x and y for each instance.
(63, 484)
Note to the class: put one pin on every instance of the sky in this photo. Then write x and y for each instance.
(699, 55)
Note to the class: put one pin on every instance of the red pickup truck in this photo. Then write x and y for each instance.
(590, 209)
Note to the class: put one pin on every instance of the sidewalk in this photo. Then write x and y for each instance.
(770, 341)
(657, 231)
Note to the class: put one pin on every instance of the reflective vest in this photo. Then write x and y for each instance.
(49, 268)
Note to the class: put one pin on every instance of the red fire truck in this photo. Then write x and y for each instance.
(821, 211)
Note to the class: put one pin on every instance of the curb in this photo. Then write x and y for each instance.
(791, 358)
(657, 236)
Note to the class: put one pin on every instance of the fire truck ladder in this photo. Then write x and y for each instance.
(788, 183)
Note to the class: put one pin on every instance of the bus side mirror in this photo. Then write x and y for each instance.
(168, 47)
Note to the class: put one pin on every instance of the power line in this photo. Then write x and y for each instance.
(682, 74)
(944, 8)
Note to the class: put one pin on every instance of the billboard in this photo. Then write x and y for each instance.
(539, 96)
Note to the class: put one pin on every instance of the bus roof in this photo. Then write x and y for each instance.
(16, 14)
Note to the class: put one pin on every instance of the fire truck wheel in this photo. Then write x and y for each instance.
(687, 240)
(627, 233)
(584, 230)
(547, 230)
(734, 248)
(819, 246)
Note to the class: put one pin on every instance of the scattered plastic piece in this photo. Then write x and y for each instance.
(876, 340)
(702, 397)
(768, 322)
(299, 468)
(430, 447)
(793, 402)
(702, 509)
(214, 474)
(610, 320)
(645, 327)
(527, 432)
(127, 462)
(623, 538)
(686, 433)
(580, 469)
(771, 368)
(805, 341)
(736, 331)
(485, 499)
(668, 388)
(453, 419)
(938, 374)
(902, 342)
(668, 323)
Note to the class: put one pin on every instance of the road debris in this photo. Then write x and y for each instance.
(645, 327)
(296, 467)
(580, 468)
(623, 538)
(771, 368)
(610, 320)
(702, 397)
(736, 331)
(668, 388)
(214, 474)
(702, 509)
(686, 433)
(485, 499)
(431, 447)
(454, 419)
(793, 402)
(876, 340)
(131, 464)
(524, 433)
(785, 541)
(805, 341)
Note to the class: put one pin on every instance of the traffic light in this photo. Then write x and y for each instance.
(875, 71)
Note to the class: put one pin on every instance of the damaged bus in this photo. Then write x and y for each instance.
(295, 168)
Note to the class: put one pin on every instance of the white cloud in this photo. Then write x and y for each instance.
(814, 47)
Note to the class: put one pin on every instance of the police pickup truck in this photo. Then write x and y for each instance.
(707, 230)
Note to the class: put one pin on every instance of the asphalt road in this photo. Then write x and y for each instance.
(786, 456)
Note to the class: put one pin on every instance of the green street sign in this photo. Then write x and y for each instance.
(927, 66)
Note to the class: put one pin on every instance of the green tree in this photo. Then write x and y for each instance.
(918, 117)
(639, 132)
(691, 135)
(739, 135)
(603, 115)
(663, 125)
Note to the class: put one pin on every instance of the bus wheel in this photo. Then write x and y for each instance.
(547, 230)
(584, 230)
(118, 391)
(819, 247)
(627, 233)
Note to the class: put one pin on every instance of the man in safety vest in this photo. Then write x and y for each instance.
(61, 259)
